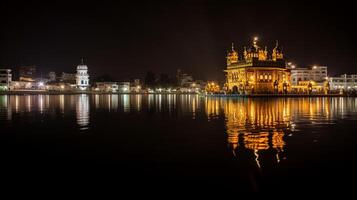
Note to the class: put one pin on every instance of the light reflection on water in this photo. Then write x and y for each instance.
(255, 124)
(82, 111)
(241, 113)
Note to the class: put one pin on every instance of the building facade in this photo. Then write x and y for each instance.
(5, 79)
(27, 73)
(256, 71)
(135, 86)
(344, 82)
(311, 79)
(124, 87)
(106, 86)
(313, 73)
(82, 76)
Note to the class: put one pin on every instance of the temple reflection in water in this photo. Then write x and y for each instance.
(253, 124)
(262, 125)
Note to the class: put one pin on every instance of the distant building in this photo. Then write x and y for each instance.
(68, 78)
(212, 87)
(82, 76)
(5, 79)
(309, 80)
(52, 76)
(135, 86)
(23, 85)
(27, 73)
(313, 73)
(307, 87)
(124, 87)
(197, 86)
(106, 86)
(136, 82)
(57, 87)
(256, 71)
(344, 82)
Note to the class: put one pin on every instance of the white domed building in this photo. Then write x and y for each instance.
(82, 76)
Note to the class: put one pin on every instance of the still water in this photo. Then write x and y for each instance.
(252, 144)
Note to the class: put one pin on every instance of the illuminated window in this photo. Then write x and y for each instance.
(269, 77)
(261, 77)
(265, 77)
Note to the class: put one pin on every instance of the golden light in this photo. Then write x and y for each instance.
(256, 38)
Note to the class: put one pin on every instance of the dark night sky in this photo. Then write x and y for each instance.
(128, 38)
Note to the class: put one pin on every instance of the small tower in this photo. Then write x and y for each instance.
(245, 53)
(277, 52)
(263, 54)
(232, 57)
(82, 77)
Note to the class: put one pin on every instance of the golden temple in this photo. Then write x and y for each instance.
(255, 72)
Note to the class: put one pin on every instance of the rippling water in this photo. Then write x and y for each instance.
(254, 144)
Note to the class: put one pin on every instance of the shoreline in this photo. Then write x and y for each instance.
(278, 95)
(37, 92)
(175, 93)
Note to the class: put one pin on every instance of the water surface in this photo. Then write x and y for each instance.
(249, 144)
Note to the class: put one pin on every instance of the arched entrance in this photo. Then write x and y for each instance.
(235, 89)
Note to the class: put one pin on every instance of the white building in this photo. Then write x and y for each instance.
(343, 82)
(5, 79)
(106, 86)
(314, 73)
(124, 87)
(82, 77)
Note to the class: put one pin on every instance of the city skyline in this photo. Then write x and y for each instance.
(128, 39)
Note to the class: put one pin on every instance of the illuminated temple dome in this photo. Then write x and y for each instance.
(82, 76)
(255, 52)
(256, 72)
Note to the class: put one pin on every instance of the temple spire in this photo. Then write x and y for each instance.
(232, 46)
(255, 41)
(82, 62)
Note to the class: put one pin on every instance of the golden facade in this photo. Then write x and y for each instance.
(256, 72)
